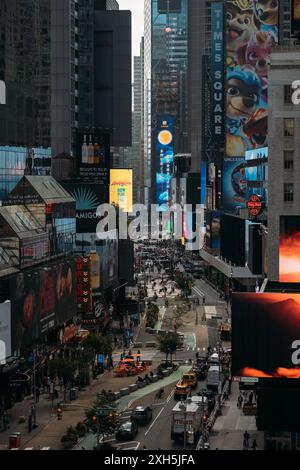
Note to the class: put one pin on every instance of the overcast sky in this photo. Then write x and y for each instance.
(137, 9)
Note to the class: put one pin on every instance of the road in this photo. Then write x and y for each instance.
(202, 289)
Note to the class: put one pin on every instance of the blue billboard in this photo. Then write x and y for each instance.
(234, 183)
(217, 72)
(164, 147)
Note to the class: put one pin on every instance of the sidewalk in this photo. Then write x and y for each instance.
(229, 428)
(50, 430)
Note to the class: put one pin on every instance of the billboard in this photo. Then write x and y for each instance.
(93, 152)
(289, 248)
(5, 331)
(234, 184)
(217, 72)
(120, 189)
(251, 32)
(88, 197)
(233, 250)
(42, 300)
(164, 148)
(266, 335)
(296, 17)
(108, 252)
(84, 290)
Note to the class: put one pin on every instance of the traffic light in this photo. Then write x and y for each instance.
(59, 413)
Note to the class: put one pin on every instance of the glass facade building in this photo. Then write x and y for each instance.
(14, 161)
(166, 66)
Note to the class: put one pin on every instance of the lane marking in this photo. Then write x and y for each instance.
(149, 429)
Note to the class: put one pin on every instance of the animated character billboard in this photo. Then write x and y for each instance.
(289, 249)
(251, 32)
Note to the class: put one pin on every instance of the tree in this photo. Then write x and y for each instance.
(102, 418)
(98, 344)
(169, 344)
(176, 321)
(65, 369)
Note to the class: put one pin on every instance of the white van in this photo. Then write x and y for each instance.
(213, 377)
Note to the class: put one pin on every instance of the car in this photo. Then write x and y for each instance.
(126, 431)
(142, 415)
(214, 359)
(200, 371)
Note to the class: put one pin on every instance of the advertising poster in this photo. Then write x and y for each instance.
(251, 32)
(289, 249)
(234, 184)
(257, 173)
(217, 72)
(88, 197)
(164, 146)
(41, 301)
(108, 253)
(265, 335)
(93, 155)
(215, 230)
(120, 189)
(296, 17)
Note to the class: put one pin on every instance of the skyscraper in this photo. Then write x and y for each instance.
(165, 83)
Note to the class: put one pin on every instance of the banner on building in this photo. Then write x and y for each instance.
(217, 73)
(120, 189)
(164, 147)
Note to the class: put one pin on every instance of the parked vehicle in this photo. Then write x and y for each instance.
(186, 418)
(200, 371)
(126, 431)
(210, 395)
(214, 377)
(214, 359)
(142, 415)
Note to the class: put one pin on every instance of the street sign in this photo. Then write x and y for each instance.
(249, 379)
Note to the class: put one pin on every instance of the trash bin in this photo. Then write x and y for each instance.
(15, 440)
(73, 394)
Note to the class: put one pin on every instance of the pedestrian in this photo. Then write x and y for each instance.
(197, 355)
(144, 448)
(129, 352)
(48, 384)
(240, 401)
(138, 356)
(5, 421)
(254, 444)
(116, 341)
(246, 439)
(37, 394)
(250, 399)
(203, 300)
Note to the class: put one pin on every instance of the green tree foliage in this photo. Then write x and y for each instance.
(169, 344)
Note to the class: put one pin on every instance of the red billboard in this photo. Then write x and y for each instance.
(42, 300)
(266, 335)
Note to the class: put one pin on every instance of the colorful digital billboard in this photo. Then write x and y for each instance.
(120, 189)
(289, 248)
(234, 184)
(266, 335)
(164, 147)
(217, 72)
(251, 32)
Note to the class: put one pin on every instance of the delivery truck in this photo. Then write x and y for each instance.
(186, 419)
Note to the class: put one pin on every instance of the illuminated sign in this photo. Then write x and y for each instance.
(165, 161)
(217, 67)
(83, 268)
(2, 92)
(254, 205)
(289, 248)
(251, 33)
(120, 189)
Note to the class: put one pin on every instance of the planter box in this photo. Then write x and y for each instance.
(117, 395)
(141, 384)
(151, 344)
(138, 345)
(124, 391)
(132, 388)
(165, 373)
(155, 378)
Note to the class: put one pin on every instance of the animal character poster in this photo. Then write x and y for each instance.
(251, 32)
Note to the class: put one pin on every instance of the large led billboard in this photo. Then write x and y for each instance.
(88, 197)
(93, 151)
(289, 249)
(266, 335)
(120, 189)
(41, 301)
(164, 147)
(234, 184)
(251, 32)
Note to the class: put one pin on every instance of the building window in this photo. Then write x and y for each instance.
(288, 91)
(288, 156)
(288, 192)
(288, 127)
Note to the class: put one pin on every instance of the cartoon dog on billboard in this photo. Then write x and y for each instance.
(266, 12)
(257, 55)
(243, 94)
(240, 26)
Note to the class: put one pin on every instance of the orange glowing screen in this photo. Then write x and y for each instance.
(266, 335)
(289, 249)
